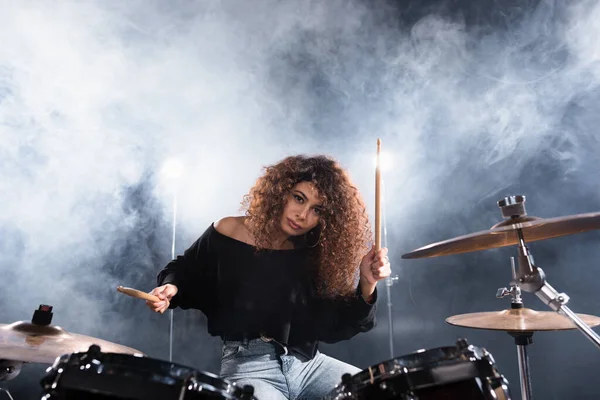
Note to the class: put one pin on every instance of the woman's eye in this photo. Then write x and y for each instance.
(318, 211)
(298, 198)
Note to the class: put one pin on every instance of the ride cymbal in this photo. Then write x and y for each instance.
(520, 320)
(505, 234)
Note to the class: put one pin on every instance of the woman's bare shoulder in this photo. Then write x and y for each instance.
(232, 226)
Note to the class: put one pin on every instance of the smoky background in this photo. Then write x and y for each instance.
(473, 101)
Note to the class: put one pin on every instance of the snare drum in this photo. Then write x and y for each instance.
(450, 373)
(94, 375)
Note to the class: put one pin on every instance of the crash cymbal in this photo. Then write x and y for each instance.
(520, 320)
(505, 234)
(27, 342)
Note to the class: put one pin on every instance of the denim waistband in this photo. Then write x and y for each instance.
(246, 342)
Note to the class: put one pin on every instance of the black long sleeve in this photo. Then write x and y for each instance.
(342, 319)
(193, 273)
(242, 290)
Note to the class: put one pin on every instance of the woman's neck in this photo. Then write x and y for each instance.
(282, 242)
(279, 241)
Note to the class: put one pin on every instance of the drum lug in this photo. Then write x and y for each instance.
(410, 396)
(247, 392)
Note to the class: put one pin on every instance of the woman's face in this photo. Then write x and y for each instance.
(302, 209)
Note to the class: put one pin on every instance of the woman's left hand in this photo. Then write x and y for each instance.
(374, 267)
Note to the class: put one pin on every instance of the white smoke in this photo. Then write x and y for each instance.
(96, 96)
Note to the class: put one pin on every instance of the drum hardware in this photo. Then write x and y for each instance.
(381, 235)
(7, 393)
(454, 372)
(95, 374)
(188, 384)
(520, 323)
(532, 279)
(9, 369)
(522, 339)
(517, 229)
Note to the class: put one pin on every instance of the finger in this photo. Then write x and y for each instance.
(150, 304)
(164, 308)
(155, 305)
(381, 271)
(384, 272)
(378, 263)
(381, 256)
(157, 290)
(372, 252)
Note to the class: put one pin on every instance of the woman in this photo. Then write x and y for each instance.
(290, 273)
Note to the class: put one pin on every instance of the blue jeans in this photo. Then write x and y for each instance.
(278, 375)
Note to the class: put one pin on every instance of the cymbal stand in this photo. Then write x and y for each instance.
(532, 279)
(389, 281)
(7, 393)
(522, 339)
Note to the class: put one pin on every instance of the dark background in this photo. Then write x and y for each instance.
(474, 101)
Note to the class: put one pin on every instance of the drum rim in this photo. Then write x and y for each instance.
(131, 363)
(473, 360)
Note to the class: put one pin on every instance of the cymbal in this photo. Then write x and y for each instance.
(520, 320)
(27, 342)
(505, 234)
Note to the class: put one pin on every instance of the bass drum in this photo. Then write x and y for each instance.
(94, 375)
(449, 373)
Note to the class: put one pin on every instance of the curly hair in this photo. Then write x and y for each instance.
(343, 233)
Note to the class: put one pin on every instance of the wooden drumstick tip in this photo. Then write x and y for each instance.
(137, 293)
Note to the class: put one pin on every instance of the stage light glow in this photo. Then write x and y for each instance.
(173, 168)
(385, 161)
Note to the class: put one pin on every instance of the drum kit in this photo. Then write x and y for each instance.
(84, 367)
(465, 371)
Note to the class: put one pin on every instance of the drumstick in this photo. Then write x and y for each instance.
(378, 197)
(137, 293)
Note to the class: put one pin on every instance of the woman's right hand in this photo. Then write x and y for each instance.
(165, 293)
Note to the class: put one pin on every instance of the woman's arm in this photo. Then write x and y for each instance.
(191, 274)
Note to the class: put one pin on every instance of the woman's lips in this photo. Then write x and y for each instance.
(293, 225)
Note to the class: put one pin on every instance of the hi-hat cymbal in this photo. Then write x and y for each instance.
(27, 342)
(505, 234)
(520, 320)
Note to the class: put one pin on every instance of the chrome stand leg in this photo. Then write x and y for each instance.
(522, 340)
(7, 393)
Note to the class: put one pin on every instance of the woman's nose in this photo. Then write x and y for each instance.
(302, 213)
